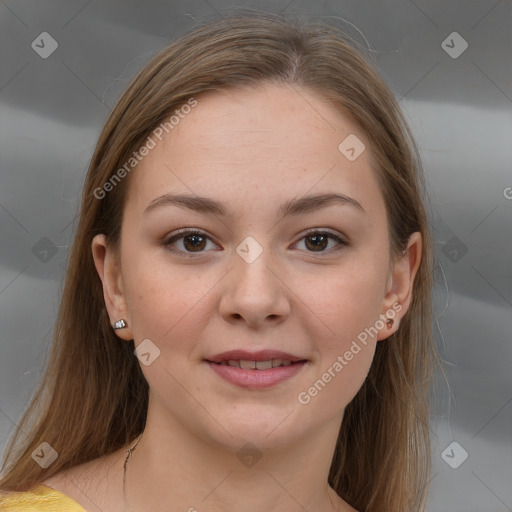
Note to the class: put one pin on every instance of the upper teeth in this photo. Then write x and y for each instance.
(257, 365)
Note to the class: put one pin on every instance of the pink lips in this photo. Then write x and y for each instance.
(254, 378)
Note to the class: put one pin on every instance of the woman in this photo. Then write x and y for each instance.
(245, 323)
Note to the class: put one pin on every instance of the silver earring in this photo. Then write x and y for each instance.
(120, 324)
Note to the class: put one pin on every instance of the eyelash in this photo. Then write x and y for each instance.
(186, 232)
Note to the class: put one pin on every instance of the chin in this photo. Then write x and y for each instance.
(260, 426)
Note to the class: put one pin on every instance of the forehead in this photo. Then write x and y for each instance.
(260, 144)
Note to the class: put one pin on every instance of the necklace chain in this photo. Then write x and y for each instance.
(128, 455)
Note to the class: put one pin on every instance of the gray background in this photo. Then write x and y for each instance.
(459, 110)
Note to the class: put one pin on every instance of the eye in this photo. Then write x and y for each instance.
(195, 241)
(318, 240)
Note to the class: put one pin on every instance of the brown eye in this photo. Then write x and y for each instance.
(317, 241)
(194, 241)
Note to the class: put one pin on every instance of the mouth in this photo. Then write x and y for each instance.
(246, 364)
(257, 370)
(262, 359)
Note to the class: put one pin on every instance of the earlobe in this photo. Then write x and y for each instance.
(400, 286)
(107, 265)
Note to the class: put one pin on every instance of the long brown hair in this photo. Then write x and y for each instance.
(92, 399)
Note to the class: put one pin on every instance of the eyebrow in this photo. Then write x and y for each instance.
(297, 206)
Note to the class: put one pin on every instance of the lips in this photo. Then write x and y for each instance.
(247, 364)
(244, 358)
(256, 370)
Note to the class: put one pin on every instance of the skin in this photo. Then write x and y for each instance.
(252, 149)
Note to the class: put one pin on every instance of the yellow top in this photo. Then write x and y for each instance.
(40, 499)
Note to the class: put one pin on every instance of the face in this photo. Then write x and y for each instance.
(309, 282)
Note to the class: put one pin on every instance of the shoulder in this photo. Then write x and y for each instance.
(95, 485)
(39, 499)
(89, 487)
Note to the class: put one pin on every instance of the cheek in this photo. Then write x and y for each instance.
(343, 377)
(165, 302)
(345, 300)
(345, 353)
(169, 307)
(345, 309)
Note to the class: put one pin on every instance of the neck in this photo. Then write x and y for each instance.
(171, 465)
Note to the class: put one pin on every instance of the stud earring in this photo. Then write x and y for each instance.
(390, 322)
(120, 324)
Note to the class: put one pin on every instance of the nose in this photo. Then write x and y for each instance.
(255, 292)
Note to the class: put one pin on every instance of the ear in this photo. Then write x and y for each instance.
(399, 291)
(107, 263)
